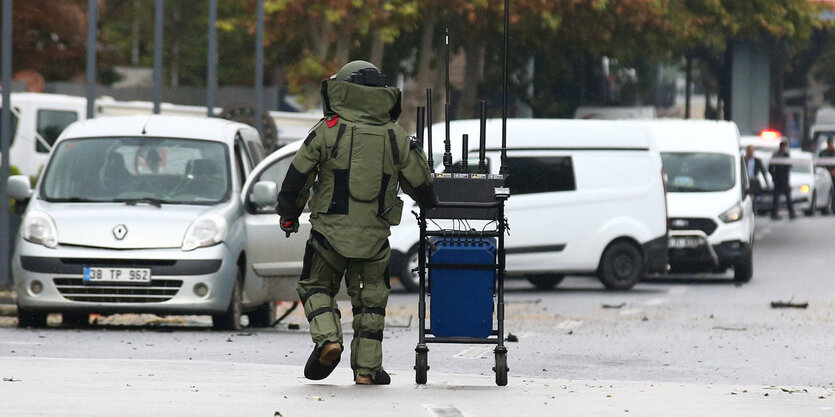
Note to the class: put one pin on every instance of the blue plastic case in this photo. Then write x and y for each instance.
(461, 303)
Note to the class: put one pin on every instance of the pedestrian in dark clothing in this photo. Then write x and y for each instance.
(780, 169)
(828, 161)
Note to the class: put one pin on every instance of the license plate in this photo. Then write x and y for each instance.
(685, 242)
(137, 275)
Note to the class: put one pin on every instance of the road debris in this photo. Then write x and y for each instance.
(614, 306)
(736, 329)
(10, 379)
(794, 391)
(511, 338)
(788, 304)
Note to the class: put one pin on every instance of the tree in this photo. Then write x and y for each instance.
(50, 37)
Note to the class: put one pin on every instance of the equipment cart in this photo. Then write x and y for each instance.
(466, 269)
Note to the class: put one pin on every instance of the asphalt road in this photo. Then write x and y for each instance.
(699, 331)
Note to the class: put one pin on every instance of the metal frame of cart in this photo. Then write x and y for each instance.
(468, 211)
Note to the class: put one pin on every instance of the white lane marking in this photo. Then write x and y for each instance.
(630, 312)
(678, 290)
(20, 343)
(570, 324)
(443, 410)
(656, 302)
(474, 352)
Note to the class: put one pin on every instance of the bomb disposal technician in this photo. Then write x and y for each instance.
(355, 159)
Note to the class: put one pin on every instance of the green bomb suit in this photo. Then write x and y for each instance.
(355, 159)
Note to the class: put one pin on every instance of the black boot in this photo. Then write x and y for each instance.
(323, 361)
(380, 378)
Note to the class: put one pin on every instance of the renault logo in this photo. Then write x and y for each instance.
(120, 231)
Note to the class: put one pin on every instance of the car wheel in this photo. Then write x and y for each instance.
(744, 270)
(231, 319)
(812, 205)
(30, 318)
(545, 281)
(403, 270)
(621, 266)
(263, 316)
(75, 319)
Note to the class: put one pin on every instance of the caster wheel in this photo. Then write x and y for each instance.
(501, 368)
(421, 365)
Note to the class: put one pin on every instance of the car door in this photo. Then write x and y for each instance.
(275, 260)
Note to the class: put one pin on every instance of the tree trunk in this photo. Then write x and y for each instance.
(377, 49)
(474, 54)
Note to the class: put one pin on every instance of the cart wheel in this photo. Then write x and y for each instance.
(501, 368)
(421, 364)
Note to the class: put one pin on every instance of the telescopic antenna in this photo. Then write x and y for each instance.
(482, 140)
(465, 167)
(447, 144)
(503, 169)
(429, 160)
(421, 113)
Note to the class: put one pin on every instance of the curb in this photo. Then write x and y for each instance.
(8, 303)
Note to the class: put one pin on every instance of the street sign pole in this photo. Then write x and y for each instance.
(211, 65)
(5, 139)
(259, 68)
(92, 19)
(158, 20)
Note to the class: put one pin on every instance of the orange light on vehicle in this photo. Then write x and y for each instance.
(770, 134)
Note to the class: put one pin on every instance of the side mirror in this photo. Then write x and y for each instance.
(264, 194)
(19, 188)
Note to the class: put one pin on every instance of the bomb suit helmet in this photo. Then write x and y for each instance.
(362, 73)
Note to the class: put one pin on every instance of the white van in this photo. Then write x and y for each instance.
(709, 202)
(587, 197)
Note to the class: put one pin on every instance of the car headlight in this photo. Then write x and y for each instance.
(208, 230)
(38, 227)
(732, 214)
(804, 189)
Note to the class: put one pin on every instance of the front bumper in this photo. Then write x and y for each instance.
(704, 256)
(172, 289)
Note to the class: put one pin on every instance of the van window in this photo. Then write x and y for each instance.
(276, 173)
(50, 124)
(543, 174)
(257, 151)
(242, 163)
(696, 172)
(170, 170)
(14, 127)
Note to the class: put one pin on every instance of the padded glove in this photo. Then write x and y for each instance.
(288, 225)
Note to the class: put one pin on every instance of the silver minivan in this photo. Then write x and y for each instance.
(141, 214)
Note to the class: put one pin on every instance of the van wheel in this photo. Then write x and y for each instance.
(403, 270)
(545, 281)
(621, 266)
(263, 316)
(812, 205)
(231, 319)
(35, 319)
(744, 270)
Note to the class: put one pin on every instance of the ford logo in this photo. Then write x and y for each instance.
(679, 223)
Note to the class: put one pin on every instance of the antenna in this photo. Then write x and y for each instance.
(503, 169)
(482, 139)
(465, 167)
(429, 160)
(447, 145)
(421, 113)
